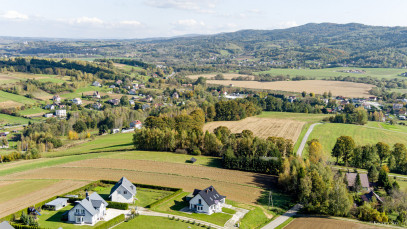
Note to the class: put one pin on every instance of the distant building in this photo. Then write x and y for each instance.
(132, 92)
(57, 204)
(56, 98)
(77, 101)
(96, 94)
(112, 86)
(368, 197)
(60, 113)
(119, 82)
(114, 102)
(49, 115)
(97, 106)
(175, 95)
(136, 124)
(96, 84)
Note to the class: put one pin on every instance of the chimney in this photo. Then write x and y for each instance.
(87, 194)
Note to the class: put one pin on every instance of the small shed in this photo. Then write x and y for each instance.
(193, 160)
(57, 204)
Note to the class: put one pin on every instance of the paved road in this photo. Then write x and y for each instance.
(305, 139)
(282, 218)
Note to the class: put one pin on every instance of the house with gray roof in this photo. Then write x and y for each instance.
(5, 225)
(123, 191)
(89, 210)
(206, 201)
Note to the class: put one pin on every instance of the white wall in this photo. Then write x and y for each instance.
(87, 218)
(119, 195)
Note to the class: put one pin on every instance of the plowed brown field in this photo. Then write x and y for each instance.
(262, 127)
(239, 186)
(324, 223)
(19, 203)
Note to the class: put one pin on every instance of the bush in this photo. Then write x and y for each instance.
(196, 152)
(118, 205)
(181, 151)
(112, 222)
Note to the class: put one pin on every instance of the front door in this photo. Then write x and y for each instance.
(79, 219)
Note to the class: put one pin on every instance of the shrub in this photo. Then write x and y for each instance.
(118, 205)
(116, 220)
(181, 151)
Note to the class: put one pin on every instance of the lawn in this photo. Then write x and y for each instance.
(173, 206)
(5, 96)
(147, 222)
(255, 218)
(367, 134)
(9, 119)
(20, 188)
(380, 73)
(52, 219)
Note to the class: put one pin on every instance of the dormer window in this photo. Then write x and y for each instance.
(200, 201)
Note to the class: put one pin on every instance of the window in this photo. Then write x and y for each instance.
(200, 201)
(77, 210)
(124, 192)
(83, 211)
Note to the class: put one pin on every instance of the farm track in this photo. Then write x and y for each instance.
(19, 203)
(262, 127)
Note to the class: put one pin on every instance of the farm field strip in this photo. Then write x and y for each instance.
(262, 127)
(318, 223)
(338, 88)
(237, 192)
(227, 76)
(15, 204)
(202, 172)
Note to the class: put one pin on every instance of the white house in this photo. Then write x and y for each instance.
(89, 210)
(96, 95)
(77, 101)
(206, 201)
(60, 113)
(123, 191)
(136, 124)
(96, 84)
(56, 98)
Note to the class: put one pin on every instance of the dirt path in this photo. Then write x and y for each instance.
(305, 139)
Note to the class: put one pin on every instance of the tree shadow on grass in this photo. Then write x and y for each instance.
(178, 205)
(57, 217)
(114, 146)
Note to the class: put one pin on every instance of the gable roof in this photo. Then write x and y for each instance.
(87, 205)
(351, 178)
(126, 184)
(96, 197)
(209, 195)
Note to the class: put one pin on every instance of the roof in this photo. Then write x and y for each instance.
(96, 203)
(87, 205)
(193, 159)
(367, 197)
(209, 195)
(351, 178)
(5, 225)
(57, 201)
(126, 184)
(96, 196)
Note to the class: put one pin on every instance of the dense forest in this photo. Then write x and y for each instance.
(310, 45)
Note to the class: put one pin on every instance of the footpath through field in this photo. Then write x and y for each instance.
(305, 138)
(284, 217)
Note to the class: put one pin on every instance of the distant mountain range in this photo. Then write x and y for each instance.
(309, 45)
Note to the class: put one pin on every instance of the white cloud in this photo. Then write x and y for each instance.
(14, 15)
(201, 6)
(287, 24)
(86, 20)
(189, 22)
(130, 23)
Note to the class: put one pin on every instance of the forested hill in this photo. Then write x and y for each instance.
(310, 45)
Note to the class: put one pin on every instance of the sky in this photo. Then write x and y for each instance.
(105, 19)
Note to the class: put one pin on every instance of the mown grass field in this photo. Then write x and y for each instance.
(33, 110)
(367, 134)
(9, 119)
(326, 73)
(5, 96)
